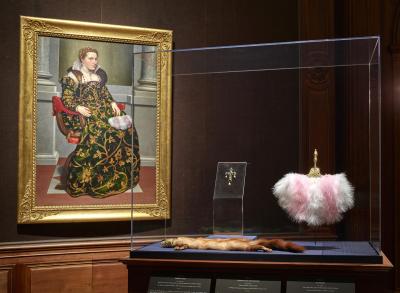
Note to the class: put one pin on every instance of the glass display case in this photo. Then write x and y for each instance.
(271, 106)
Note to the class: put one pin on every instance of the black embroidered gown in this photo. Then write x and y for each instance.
(106, 160)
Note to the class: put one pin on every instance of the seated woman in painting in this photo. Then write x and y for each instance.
(106, 160)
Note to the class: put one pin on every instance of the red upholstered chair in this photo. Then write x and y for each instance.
(59, 108)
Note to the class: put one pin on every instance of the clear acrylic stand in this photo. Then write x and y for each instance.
(228, 198)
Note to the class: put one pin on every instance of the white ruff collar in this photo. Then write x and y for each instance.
(87, 75)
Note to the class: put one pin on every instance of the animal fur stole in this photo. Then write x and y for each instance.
(239, 244)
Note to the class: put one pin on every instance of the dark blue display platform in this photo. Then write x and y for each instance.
(316, 251)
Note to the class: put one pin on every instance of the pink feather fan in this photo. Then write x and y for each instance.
(314, 198)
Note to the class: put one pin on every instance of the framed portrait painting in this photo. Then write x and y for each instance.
(94, 122)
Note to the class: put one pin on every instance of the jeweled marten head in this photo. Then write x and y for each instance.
(169, 242)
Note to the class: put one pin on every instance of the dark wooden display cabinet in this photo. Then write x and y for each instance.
(366, 277)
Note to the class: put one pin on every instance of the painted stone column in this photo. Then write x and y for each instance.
(145, 102)
(44, 75)
(147, 82)
(46, 124)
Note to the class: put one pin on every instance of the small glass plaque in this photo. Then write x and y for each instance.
(316, 287)
(228, 198)
(244, 286)
(178, 285)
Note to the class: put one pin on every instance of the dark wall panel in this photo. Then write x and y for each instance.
(195, 24)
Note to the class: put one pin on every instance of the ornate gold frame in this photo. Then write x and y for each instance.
(28, 211)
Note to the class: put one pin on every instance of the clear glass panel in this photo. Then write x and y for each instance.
(271, 105)
(274, 56)
(375, 148)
